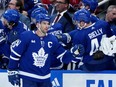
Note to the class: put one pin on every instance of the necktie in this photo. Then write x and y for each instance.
(57, 17)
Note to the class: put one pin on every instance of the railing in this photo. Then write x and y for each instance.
(103, 2)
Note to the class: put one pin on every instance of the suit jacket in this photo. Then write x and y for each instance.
(51, 7)
(66, 21)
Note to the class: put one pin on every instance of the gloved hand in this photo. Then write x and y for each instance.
(13, 77)
(65, 37)
(4, 61)
(78, 50)
(98, 55)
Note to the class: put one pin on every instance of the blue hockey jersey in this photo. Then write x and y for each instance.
(56, 29)
(32, 55)
(90, 37)
(12, 35)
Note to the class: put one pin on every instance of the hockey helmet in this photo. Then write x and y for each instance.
(42, 17)
(11, 15)
(92, 3)
(37, 11)
(82, 15)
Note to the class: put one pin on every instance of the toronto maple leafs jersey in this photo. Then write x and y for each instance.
(2, 37)
(56, 29)
(94, 18)
(2, 34)
(12, 35)
(91, 37)
(33, 55)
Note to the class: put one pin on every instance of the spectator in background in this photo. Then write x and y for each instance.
(111, 17)
(52, 8)
(18, 5)
(29, 4)
(64, 16)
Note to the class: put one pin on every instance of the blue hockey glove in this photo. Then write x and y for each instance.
(77, 50)
(65, 37)
(13, 77)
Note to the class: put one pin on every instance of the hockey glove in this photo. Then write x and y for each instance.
(98, 55)
(77, 50)
(65, 37)
(13, 77)
(4, 61)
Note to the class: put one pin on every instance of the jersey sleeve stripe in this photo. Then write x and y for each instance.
(15, 52)
(34, 75)
(13, 58)
(61, 55)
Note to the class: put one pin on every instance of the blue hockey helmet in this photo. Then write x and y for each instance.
(11, 15)
(92, 3)
(42, 17)
(82, 15)
(37, 11)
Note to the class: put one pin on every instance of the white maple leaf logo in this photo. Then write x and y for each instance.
(40, 58)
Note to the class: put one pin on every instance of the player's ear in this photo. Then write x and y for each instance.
(37, 25)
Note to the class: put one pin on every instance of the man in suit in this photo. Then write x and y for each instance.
(52, 8)
(65, 17)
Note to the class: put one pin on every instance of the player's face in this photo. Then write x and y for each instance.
(6, 23)
(44, 25)
(111, 15)
(81, 24)
(61, 5)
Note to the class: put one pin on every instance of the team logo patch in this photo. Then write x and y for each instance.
(39, 58)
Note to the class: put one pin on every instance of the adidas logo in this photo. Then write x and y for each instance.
(55, 83)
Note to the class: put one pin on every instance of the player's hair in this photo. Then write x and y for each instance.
(19, 3)
(111, 7)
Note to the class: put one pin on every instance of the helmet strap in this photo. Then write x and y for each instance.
(10, 25)
(40, 30)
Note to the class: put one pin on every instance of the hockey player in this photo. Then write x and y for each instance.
(34, 13)
(2, 42)
(91, 36)
(13, 28)
(91, 5)
(34, 60)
